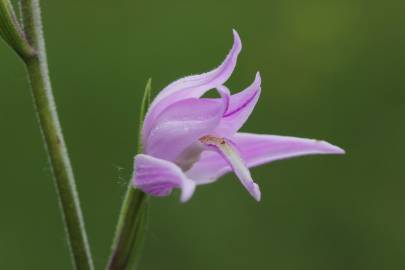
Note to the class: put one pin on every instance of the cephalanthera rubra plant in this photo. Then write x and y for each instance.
(186, 140)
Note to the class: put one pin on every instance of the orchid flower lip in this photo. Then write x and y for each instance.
(228, 151)
(211, 140)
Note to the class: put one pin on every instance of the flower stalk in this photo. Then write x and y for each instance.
(131, 229)
(28, 41)
(11, 31)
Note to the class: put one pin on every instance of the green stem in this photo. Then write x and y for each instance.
(11, 32)
(131, 229)
(130, 234)
(37, 69)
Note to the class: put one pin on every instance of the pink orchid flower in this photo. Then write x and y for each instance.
(189, 140)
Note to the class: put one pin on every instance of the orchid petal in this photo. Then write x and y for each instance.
(256, 150)
(231, 156)
(192, 86)
(240, 107)
(158, 177)
(182, 124)
(225, 95)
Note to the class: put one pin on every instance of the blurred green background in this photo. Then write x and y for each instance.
(331, 70)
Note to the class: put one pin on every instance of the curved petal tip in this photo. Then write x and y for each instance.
(329, 148)
(237, 43)
(255, 192)
(258, 78)
(187, 190)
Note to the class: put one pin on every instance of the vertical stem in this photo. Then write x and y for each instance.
(37, 69)
(130, 234)
(131, 229)
(11, 32)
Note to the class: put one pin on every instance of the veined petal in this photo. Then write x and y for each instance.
(258, 149)
(158, 177)
(182, 124)
(231, 156)
(240, 107)
(192, 86)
